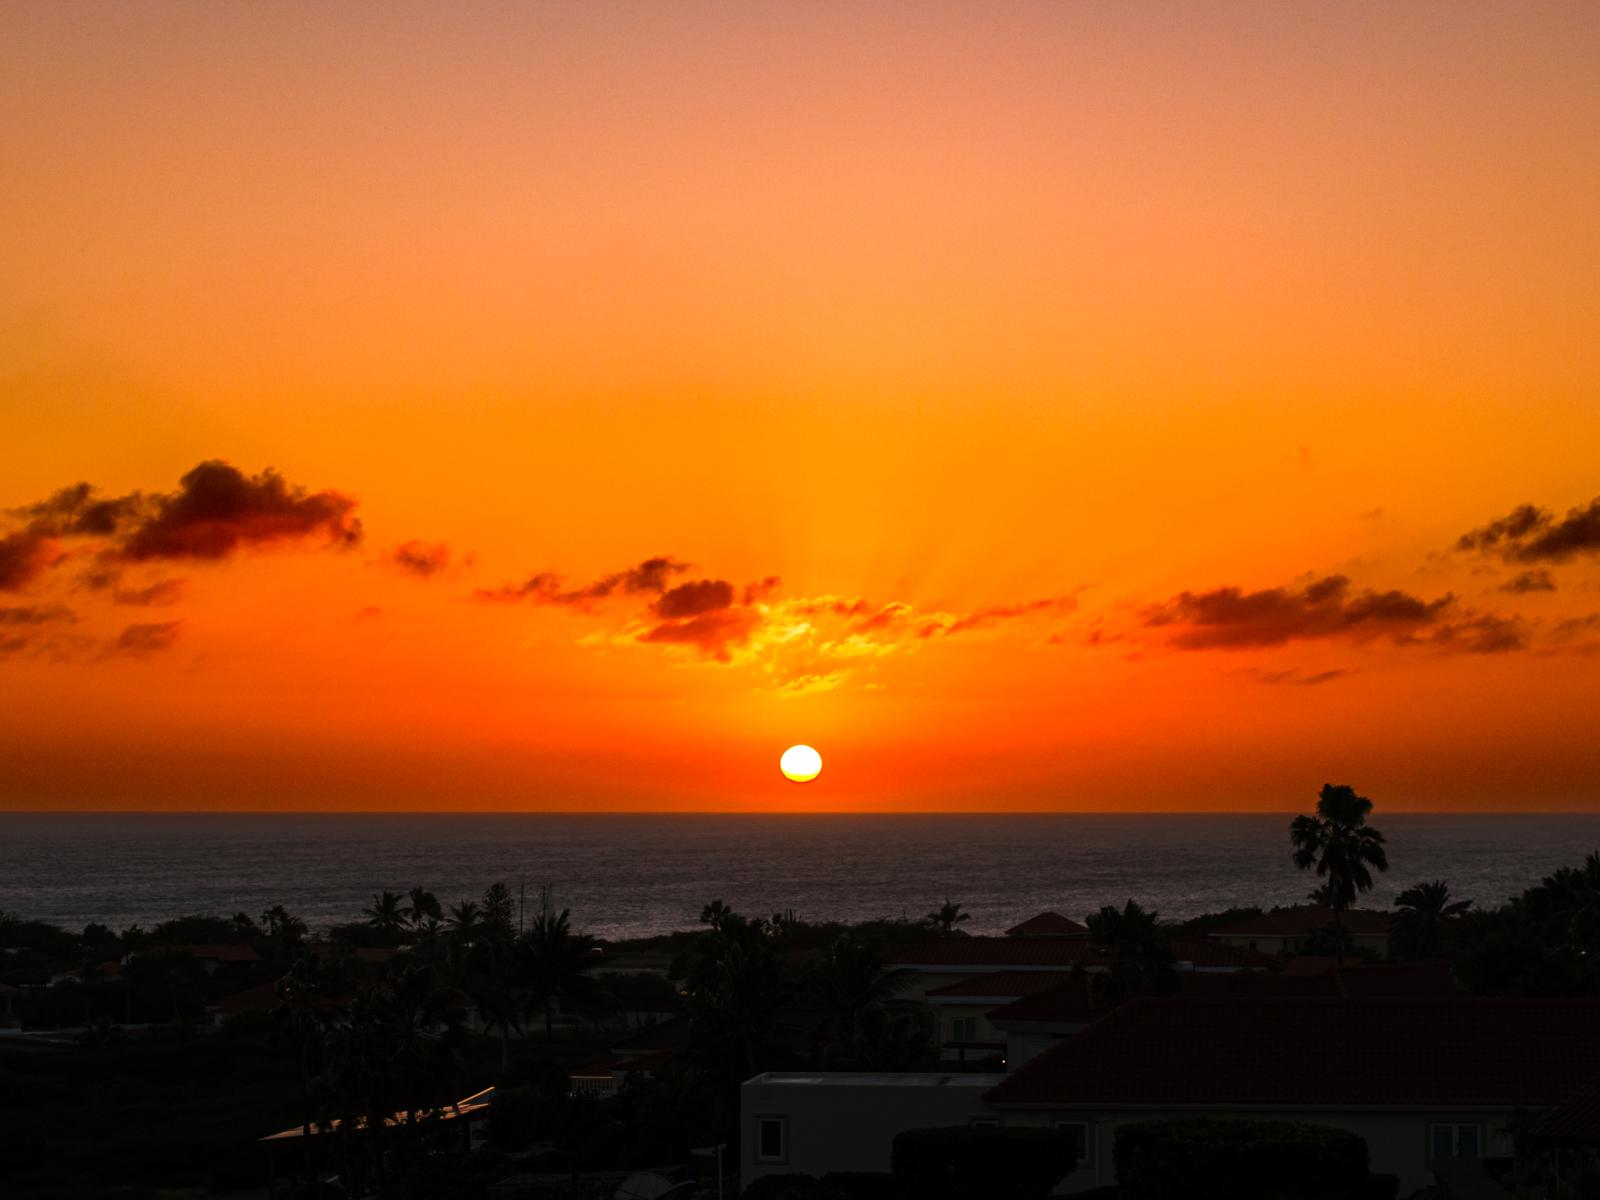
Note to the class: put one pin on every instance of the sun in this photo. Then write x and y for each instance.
(800, 763)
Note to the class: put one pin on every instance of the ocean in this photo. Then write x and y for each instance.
(628, 875)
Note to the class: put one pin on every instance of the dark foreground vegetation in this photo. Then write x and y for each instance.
(146, 1063)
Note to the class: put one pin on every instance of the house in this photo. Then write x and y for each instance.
(1423, 1079)
(643, 1053)
(1048, 924)
(1288, 930)
(820, 1121)
(1419, 1080)
(961, 1010)
(1033, 1023)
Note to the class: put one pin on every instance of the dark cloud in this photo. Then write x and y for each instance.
(761, 589)
(139, 641)
(1484, 633)
(160, 594)
(218, 509)
(1297, 679)
(1537, 580)
(13, 643)
(81, 511)
(1575, 627)
(1230, 618)
(25, 554)
(370, 613)
(890, 614)
(1528, 535)
(420, 559)
(693, 599)
(829, 606)
(650, 577)
(714, 634)
(983, 618)
(37, 615)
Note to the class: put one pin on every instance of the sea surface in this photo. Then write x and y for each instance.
(627, 875)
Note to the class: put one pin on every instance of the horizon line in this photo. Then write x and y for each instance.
(756, 812)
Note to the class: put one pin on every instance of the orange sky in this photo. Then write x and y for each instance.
(1007, 339)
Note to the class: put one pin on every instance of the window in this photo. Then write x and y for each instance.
(1082, 1142)
(1454, 1141)
(964, 1029)
(772, 1139)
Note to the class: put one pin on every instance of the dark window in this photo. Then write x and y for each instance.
(964, 1029)
(1082, 1143)
(770, 1139)
(1454, 1141)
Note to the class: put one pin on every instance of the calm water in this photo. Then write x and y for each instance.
(625, 875)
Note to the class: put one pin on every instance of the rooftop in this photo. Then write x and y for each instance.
(1306, 918)
(998, 952)
(1048, 924)
(999, 985)
(1321, 1051)
(912, 1079)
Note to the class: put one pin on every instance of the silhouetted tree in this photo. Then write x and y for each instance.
(948, 915)
(551, 962)
(386, 914)
(282, 926)
(1425, 911)
(852, 980)
(499, 912)
(1343, 848)
(422, 907)
(1138, 956)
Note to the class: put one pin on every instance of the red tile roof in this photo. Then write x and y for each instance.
(1578, 1121)
(1302, 919)
(959, 953)
(1204, 953)
(214, 953)
(1070, 1003)
(1048, 924)
(261, 998)
(1076, 1003)
(1357, 1052)
(1009, 984)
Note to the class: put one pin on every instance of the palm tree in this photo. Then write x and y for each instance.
(853, 980)
(465, 921)
(1138, 956)
(1339, 843)
(552, 962)
(283, 926)
(1565, 906)
(948, 916)
(386, 914)
(422, 906)
(1425, 911)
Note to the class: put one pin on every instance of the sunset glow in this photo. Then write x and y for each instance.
(1080, 407)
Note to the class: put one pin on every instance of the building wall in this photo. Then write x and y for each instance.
(833, 1127)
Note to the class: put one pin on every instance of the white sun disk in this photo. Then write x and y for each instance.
(800, 763)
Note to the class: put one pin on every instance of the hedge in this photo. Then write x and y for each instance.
(964, 1163)
(791, 1187)
(1237, 1159)
(863, 1185)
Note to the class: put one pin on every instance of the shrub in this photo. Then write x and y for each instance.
(1381, 1187)
(863, 1185)
(963, 1163)
(791, 1187)
(1237, 1159)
